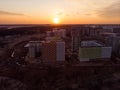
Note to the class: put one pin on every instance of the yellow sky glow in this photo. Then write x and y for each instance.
(60, 11)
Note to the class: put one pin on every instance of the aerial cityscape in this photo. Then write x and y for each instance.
(60, 45)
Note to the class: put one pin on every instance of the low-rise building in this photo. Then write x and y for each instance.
(90, 50)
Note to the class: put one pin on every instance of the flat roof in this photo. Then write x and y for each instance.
(91, 43)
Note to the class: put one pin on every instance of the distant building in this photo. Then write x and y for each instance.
(116, 30)
(75, 33)
(119, 50)
(111, 26)
(49, 38)
(75, 43)
(49, 33)
(63, 33)
(114, 42)
(93, 50)
(59, 32)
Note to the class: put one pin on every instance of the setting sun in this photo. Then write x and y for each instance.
(56, 20)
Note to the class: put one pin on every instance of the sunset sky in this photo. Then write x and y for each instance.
(66, 11)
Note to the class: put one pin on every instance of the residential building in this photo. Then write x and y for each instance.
(34, 48)
(114, 42)
(53, 51)
(90, 50)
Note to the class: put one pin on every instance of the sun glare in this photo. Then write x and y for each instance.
(56, 20)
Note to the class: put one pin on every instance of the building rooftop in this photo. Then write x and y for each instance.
(91, 44)
(31, 42)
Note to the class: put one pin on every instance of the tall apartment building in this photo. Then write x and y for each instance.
(34, 48)
(78, 33)
(47, 51)
(76, 37)
(75, 43)
(119, 50)
(53, 51)
(114, 42)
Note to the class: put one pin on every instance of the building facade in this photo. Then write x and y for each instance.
(53, 51)
(90, 50)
